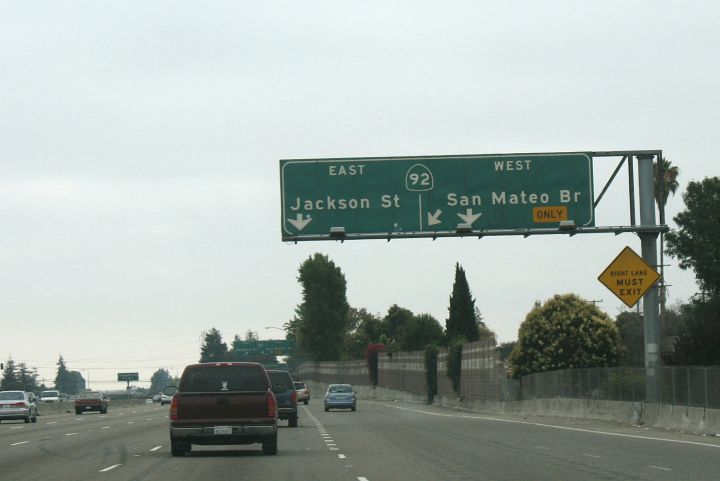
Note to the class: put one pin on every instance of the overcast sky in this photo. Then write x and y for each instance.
(140, 140)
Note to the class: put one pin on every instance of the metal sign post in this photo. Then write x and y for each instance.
(651, 304)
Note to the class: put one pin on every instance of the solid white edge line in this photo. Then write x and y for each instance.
(566, 428)
(19, 443)
(110, 467)
(156, 448)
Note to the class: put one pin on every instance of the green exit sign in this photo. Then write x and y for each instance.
(437, 194)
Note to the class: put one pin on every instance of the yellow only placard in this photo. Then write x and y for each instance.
(629, 277)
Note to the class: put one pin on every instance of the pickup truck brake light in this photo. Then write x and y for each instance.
(271, 404)
(293, 397)
(174, 408)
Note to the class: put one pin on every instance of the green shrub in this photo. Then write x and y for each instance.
(431, 353)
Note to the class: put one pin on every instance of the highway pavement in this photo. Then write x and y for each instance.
(380, 441)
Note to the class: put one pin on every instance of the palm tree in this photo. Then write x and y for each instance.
(668, 185)
(663, 188)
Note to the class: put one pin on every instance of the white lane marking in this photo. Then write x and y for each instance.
(52, 422)
(17, 427)
(566, 428)
(591, 455)
(148, 419)
(110, 467)
(156, 448)
(105, 427)
(131, 422)
(543, 447)
(334, 449)
(71, 434)
(360, 478)
(660, 467)
(331, 444)
(341, 456)
(21, 442)
(47, 437)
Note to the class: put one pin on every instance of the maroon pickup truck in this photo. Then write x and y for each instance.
(223, 403)
(91, 401)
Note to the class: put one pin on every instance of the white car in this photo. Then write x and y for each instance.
(50, 396)
(165, 399)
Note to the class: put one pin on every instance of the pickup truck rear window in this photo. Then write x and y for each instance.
(223, 379)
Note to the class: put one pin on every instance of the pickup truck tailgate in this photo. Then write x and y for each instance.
(228, 408)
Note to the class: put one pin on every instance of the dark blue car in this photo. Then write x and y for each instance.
(340, 396)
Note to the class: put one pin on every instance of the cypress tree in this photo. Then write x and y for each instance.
(461, 321)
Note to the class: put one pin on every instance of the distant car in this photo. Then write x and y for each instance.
(91, 401)
(303, 392)
(18, 405)
(284, 389)
(165, 399)
(50, 396)
(156, 398)
(340, 396)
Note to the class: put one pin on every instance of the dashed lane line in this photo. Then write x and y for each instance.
(590, 455)
(660, 468)
(105, 427)
(109, 468)
(19, 443)
(71, 434)
(341, 456)
(156, 448)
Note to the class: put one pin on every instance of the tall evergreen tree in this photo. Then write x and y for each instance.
(27, 377)
(62, 378)
(461, 321)
(213, 348)
(10, 380)
(322, 319)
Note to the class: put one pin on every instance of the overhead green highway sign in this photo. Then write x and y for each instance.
(326, 198)
(127, 376)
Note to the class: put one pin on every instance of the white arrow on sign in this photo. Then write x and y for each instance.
(299, 222)
(469, 217)
(434, 219)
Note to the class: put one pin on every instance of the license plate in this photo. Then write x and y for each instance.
(222, 429)
(88, 407)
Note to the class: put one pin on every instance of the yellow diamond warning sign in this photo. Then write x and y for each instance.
(629, 277)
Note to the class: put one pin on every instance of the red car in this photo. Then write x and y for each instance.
(91, 401)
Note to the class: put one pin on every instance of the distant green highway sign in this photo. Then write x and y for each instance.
(435, 194)
(271, 347)
(128, 376)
